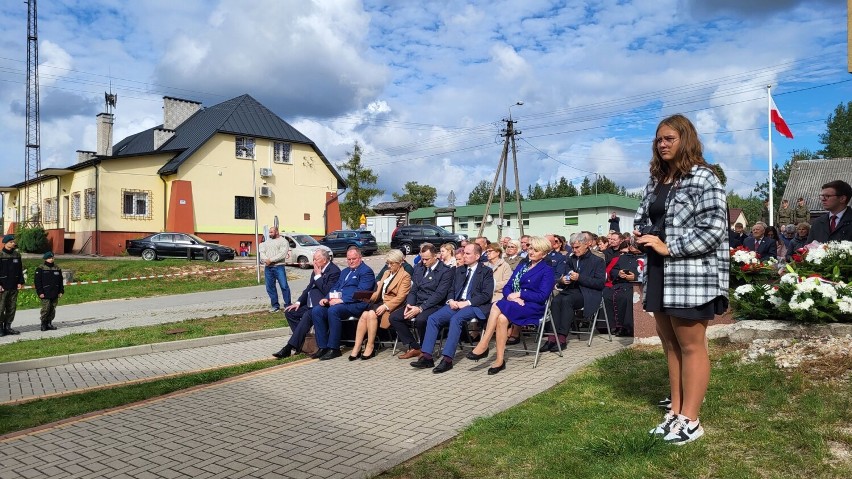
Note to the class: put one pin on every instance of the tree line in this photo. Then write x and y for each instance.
(836, 141)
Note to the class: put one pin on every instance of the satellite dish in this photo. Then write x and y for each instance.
(489, 219)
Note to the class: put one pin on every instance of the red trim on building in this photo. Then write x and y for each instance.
(181, 215)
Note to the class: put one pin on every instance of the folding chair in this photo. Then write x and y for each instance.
(410, 324)
(546, 318)
(381, 344)
(593, 324)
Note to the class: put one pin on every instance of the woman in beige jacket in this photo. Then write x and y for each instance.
(392, 289)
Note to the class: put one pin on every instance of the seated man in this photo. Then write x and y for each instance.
(758, 242)
(581, 287)
(430, 284)
(340, 303)
(473, 286)
(298, 314)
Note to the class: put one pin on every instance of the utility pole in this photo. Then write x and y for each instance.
(32, 197)
(502, 166)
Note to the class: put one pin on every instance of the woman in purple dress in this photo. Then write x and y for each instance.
(524, 299)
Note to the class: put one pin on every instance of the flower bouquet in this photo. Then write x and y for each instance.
(806, 299)
(748, 268)
(832, 260)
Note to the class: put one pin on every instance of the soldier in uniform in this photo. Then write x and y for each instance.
(802, 214)
(11, 280)
(784, 215)
(49, 287)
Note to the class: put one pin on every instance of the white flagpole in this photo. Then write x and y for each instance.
(769, 127)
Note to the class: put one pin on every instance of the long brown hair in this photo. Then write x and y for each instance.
(689, 152)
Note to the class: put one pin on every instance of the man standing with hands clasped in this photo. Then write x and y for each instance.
(49, 287)
(11, 281)
(273, 252)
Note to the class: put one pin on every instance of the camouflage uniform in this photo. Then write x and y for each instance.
(11, 275)
(48, 283)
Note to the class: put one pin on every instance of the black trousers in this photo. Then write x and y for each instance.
(400, 325)
(563, 306)
(301, 322)
(618, 302)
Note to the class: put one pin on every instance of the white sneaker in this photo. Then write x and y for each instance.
(665, 403)
(274, 310)
(682, 431)
(663, 428)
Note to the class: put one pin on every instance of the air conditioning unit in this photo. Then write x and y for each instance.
(265, 172)
(265, 192)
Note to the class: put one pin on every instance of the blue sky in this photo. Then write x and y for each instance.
(423, 86)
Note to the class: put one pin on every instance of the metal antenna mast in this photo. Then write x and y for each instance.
(502, 167)
(32, 199)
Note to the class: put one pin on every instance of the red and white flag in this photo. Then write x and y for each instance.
(778, 120)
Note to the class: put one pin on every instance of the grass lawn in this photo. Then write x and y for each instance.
(16, 417)
(160, 333)
(760, 422)
(97, 269)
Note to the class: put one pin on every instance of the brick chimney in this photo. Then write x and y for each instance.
(104, 146)
(176, 111)
(84, 156)
(162, 135)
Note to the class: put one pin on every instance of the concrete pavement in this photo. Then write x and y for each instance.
(334, 418)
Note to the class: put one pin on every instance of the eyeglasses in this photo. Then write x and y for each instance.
(669, 140)
(525, 244)
(824, 197)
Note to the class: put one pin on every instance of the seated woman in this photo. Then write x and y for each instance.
(513, 256)
(524, 299)
(448, 254)
(618, 293)
(502, 273)
(393, 287)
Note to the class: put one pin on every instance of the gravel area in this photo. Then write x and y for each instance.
(790, 353)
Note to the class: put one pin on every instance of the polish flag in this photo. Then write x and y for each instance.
(778, 120)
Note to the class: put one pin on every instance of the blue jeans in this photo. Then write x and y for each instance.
(453, 320)
(272, 275)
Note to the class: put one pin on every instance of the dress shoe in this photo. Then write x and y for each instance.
(554, 349)
(423, 363)
(371, 355)
(44, 327)
(51, 327)
(12, 331)
(476, 357)
(353, 358)
(625, 333)
(443, 366)
(320, 353)
(511, 340)
(285, 352)
(493, 371)
(547, 346)
(331, 354)
(411, 353)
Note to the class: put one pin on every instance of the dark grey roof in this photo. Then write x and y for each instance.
(808, 176)
(394, 205)
(242, 115)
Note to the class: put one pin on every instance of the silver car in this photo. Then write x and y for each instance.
(302, 247)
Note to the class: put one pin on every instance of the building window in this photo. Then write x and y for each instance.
(49, 210)
(245, 147)
(572, 217)
(135, 204)
(91, 203)
(477, 224)
(281, 153)
(75, 205)
(243, 208)
(464, 223)
(526, 218)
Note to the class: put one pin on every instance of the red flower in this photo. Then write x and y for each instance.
(745, 267)
(797, 258)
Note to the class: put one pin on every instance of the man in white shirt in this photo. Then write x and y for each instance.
(273, 253)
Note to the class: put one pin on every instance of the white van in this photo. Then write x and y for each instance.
(302, 249)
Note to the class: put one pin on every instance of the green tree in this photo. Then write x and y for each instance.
(535, 192)
(420, 195)
(720, 173)
(562, 189)
(602, 185)
(751, 205)
(586, 187)
(837, 138)
(361, 182)
(479, 194)
(780, 175)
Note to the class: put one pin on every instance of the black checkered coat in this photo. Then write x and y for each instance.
(696, 225)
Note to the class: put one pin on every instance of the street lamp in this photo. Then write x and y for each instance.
(517, 103)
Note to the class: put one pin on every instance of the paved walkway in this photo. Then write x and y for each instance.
(306, 419)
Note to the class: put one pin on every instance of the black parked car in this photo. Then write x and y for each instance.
(340, 240)
(409, 238)
(178, 245)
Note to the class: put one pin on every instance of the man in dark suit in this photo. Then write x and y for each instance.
(298, 314)
(482, 241)
(837, 224)
(473, 286)
(581, 285)
(340, 303)
(430, 284)
(736, 236)
(760, 244)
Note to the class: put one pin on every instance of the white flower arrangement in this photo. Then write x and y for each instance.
(745, 257)
(742, 290)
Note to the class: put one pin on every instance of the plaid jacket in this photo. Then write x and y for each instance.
(698, 267)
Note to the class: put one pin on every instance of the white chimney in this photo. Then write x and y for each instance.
(104, 147)
(161, 135)
(84, 156)
(176, 111)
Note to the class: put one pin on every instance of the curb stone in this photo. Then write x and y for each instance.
(749, 330)
(26, 364)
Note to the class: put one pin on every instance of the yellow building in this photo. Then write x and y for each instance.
(199, 172)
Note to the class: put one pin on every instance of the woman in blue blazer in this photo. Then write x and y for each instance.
(524, 299)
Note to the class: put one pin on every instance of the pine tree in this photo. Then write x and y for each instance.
(361, 183)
